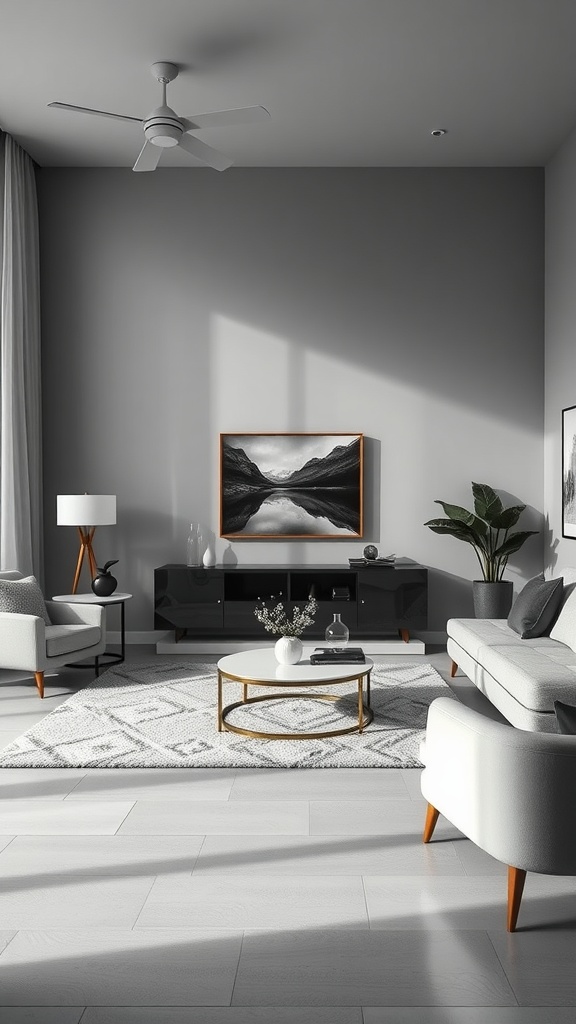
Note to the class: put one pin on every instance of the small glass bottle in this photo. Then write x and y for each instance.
(337, 634)
(194, 546)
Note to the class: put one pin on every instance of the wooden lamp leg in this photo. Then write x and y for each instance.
(430, 824)
(516, 879)
(86, 550)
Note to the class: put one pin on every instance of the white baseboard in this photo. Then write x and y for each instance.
(164, 642)
(222, 647)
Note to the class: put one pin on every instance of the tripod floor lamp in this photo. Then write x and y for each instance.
(86, 512)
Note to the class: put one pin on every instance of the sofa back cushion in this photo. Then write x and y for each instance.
(536, 607)
(564, 629)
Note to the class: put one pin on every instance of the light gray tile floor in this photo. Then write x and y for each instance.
(216, 817)
(156, 784)
(262, 901)
(223, 1015)
(41, 1014)
(31, 860)
(259, 897)
(370, 967)
(69, 818)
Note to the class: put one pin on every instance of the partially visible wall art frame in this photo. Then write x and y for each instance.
(291, 485)
(569, 472)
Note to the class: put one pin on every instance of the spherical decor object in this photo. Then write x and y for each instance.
(288, 650)
(104, 584)
(370, 552)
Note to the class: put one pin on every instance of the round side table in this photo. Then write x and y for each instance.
(109, 657)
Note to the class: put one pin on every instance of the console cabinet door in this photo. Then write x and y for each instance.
(187, 598)
(392, 599)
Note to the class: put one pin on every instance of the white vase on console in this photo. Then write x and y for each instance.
(288, 650)
(209, 559)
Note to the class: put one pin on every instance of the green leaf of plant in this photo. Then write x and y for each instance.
(453, 528)
(487, 504)
(462, 515)
(514, 543)
(508, 517)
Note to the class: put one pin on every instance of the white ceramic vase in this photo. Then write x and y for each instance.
(288, 650)
(209, 559)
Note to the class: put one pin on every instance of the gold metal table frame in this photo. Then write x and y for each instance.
(359, 674)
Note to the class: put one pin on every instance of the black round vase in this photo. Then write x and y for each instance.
(104, 584)
(492, 600)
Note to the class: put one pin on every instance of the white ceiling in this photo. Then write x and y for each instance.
(347, 82)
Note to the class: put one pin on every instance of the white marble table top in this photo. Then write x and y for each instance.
(260, 666)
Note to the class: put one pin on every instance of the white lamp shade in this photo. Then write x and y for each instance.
(85, 509)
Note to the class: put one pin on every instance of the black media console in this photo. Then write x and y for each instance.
(376, 602)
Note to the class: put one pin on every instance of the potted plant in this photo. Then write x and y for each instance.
(487, 529)
(288, 649)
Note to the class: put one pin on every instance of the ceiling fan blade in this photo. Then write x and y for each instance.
(98, 113)
(224, 118)
(148, 157)
(205, 153)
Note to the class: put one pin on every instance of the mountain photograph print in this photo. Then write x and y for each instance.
(569, 472)
(291, 485)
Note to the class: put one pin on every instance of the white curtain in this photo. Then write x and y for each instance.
(20, 366)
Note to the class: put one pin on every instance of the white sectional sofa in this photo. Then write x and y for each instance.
(521, 678)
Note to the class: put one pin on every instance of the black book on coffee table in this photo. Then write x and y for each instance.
(328, 656)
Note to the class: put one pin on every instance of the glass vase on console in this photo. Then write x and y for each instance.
(337, 633)
(194, 546)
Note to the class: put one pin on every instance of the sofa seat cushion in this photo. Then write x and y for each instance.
(67, 639)
(474, 634)
(534, 672)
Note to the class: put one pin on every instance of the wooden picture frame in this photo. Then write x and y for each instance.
(277, 486)
(569, 472)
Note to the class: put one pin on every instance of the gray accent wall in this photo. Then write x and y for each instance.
(560, 339)
(403, 303)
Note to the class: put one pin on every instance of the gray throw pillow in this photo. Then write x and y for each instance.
(536, 607)
(565, 717)
(24, 597)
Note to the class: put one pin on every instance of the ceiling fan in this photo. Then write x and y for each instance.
(163, 128)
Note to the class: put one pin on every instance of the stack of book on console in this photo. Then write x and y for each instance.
(356, 562)
(329, 656)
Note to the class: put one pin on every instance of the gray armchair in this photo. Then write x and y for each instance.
(510, 791)
(27, 644)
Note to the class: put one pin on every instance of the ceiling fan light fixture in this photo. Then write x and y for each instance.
(164, 129)
(164, 135)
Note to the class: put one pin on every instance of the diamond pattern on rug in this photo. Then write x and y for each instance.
(163, 715)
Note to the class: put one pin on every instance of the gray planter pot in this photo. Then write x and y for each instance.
(492, 600)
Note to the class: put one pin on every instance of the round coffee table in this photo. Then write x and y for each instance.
(260, 668)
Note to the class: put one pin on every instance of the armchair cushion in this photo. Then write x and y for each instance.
(63, 613)
(66, 639)
(23, 597)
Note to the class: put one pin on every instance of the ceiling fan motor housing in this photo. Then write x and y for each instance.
(163, 128)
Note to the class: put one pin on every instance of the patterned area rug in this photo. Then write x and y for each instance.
(163, 715)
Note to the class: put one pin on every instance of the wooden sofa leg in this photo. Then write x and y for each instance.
(430, 824)
(39, 679)
(453, 669)
(516, 879)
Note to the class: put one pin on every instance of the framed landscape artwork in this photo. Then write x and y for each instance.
(291, 485)
(569, 472)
